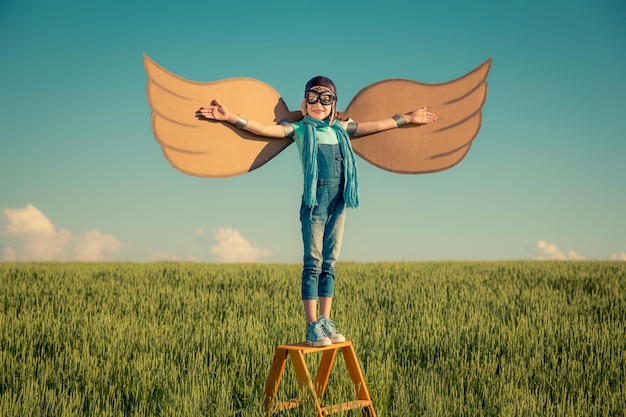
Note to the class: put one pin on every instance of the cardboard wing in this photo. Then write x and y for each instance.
(207, 148)
(416, 149)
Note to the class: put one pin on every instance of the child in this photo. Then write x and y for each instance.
(330, 185)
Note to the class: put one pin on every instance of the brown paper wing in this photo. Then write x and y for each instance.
(415, 149)
(206, 148)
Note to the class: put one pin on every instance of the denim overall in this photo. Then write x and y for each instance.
(322, 225)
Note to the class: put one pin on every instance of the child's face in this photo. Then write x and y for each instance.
(319, 111)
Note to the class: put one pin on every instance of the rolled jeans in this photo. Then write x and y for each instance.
(323, 225)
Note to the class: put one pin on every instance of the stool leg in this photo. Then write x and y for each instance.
(323, 371)
(273, 380)
(304, 377)
(357, 378)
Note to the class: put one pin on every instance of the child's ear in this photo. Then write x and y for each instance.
(303, 108)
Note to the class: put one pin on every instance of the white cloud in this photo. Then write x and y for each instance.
(232, 247)
(551, 251)
(35, 238)
(619, 256)
(28, 221)
(91, 245)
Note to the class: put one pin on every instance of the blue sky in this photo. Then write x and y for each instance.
(82, 178)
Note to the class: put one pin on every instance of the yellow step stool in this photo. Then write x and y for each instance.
(317, 387)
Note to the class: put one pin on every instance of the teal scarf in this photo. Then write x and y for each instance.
(309, 160)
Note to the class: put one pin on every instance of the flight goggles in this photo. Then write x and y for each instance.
(324, 97)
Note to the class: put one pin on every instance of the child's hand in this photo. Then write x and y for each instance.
(215, 111)
(421, 116)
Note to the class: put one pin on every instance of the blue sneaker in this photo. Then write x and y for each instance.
(315, 336)
(328, 326)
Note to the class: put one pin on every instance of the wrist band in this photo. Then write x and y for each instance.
(287, 127)
(241, 122)
(352, 127)
(399, 119)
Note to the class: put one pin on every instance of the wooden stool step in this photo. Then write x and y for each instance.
(316, 387)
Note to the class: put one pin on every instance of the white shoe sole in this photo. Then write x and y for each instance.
(318, 344)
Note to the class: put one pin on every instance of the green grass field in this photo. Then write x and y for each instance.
(433, 339)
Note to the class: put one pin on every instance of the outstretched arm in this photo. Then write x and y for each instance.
(219, 112)
(420, 116)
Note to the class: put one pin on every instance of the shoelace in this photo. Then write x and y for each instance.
(329, 323)
(318, 331)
